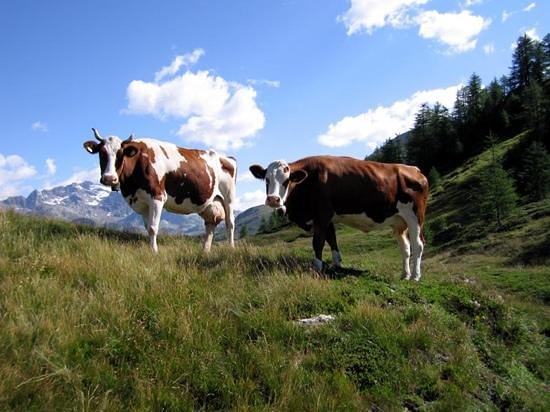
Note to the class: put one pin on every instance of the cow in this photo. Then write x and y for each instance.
(317, 192)
(152, 175)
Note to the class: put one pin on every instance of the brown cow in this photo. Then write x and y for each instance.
(318, 191)
(152, 175)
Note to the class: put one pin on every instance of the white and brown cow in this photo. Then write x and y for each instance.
(152, 175)
(318, 191)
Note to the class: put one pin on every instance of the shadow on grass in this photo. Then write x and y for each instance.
(333, 272)
(255, 266)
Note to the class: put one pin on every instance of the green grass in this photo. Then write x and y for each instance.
(92, 320)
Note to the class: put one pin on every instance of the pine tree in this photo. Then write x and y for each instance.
(521, 62)
(534, 175)
(243, 232)
(263, 228)
(496, 196)
(434, 178)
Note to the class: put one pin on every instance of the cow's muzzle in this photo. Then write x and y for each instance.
(109, 180)
(273, 201)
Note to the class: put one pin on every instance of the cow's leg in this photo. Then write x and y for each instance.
(331, 240)
(212, 215)
(209, 235)
(319, 237)
(155, 211)
(405, 247)
(417, 245)
(229, 216)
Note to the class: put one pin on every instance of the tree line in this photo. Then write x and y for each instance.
(481, 117)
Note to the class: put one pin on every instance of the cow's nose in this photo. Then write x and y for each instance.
(109, 180)
(273, 201)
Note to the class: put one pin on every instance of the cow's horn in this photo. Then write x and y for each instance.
(97, 136)
(130, 138)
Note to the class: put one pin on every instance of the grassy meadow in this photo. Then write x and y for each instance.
(92, 320)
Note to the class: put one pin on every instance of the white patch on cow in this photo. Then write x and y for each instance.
(276, 174)
(210, 159)
(112, 145)
(167, 156)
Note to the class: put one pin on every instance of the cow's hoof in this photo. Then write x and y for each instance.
(318, 265)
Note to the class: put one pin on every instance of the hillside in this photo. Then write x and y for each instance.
(90, 319)
(454, 220)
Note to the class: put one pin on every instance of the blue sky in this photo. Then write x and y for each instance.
(258, 79)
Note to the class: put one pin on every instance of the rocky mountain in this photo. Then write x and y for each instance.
(94, 204)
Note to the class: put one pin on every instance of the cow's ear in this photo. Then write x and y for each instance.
(91, 147)
(298, 176)
(258, 171)
(129, 151)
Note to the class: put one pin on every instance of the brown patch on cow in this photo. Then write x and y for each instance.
(136, 171)
(192, 180)
(227, 166)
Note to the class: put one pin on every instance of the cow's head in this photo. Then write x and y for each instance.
(278, 181)
(107, 149)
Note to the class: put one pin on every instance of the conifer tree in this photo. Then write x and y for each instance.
(496, 196)
(534, 175)
(243, 232)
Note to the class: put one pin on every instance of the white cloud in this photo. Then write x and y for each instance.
(179, 61)
(39, 126)
(506, 15)
(489, 48)
(250, 199)
(80, 176)
(371, 14)
(456, 30)
(469, 3)
(532, 33)
(381, 123)
(530, 7)
(218, 113)
(245, 177)
(271, 83)
(14, 170)
(51, 166)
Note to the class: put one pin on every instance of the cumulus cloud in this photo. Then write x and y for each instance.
(376, 125)
(217, 112)
(179, 61)
(372, 14)
(14, 170)
(250, 199)
(458, 31)
(39, 126)
(51, 166)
